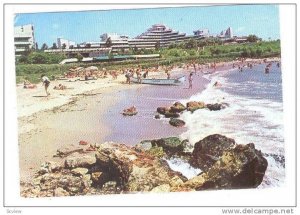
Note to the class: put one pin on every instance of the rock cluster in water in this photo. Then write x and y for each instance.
(173, 112)
(117, 168)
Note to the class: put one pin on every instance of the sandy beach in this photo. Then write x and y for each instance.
(89, 111)
(50, 123)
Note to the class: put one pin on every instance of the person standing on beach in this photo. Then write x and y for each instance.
(128, 75)
(194, 65)
(46, 83)
(191, 80)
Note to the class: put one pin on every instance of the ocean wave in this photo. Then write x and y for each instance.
(246, 120)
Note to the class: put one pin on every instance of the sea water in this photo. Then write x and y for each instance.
(254, 114)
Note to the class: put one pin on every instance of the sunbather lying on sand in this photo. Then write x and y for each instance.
(28, 85)
(60, 87)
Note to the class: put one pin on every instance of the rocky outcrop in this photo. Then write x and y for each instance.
(171, 145)
(240, 167)
(177, 107)
(117, 168)
(177, 122)
(193, 105)
(209, 150)
(130, 169)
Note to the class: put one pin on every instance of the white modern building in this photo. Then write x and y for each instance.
(117, 42)
(201, 33)
(23, 39)
(68, 43)
(226, 34)
(158, 35)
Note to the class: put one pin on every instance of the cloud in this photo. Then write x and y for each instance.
(240, 29)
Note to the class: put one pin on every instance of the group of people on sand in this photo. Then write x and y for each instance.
(139, 72)
(90, 74)
(45, 82)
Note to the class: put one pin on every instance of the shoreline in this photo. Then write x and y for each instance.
(43, 132)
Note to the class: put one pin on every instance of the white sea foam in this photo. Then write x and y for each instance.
(246, 120)
(183, 167)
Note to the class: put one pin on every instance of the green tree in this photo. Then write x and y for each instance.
(259, 52)
(54, 46)
(44, 46)
(79, 57)
(63, 46)
(172, 45)
(157, 45)
(191, 43)
(110, 56)
(252, 38)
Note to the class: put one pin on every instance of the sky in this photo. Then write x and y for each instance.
(86, 26)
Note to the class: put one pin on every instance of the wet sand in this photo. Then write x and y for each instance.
(131, 130)
(97, 118)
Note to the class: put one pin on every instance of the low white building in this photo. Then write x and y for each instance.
(201, 33)
(23, 39)
(68, 43)
(118, 42)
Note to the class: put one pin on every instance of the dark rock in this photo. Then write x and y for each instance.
(208, 150)
(177, 107)
(216, 106)
(169, 114)
(157, 116)
(177, 122)
(171, 145)
(162, 110)
(192, 106)
(99, 178)
(240, 167)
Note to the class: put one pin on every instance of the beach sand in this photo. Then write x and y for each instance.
(91, 111)
(61, 120)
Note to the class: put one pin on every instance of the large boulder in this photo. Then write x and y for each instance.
(216, 106)
(134, 171)
(162, 110)
(193, 105)
(177, 122)
(208, 150)
(169, 114)
(177, 107)
(240, 167)
(170, 145)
